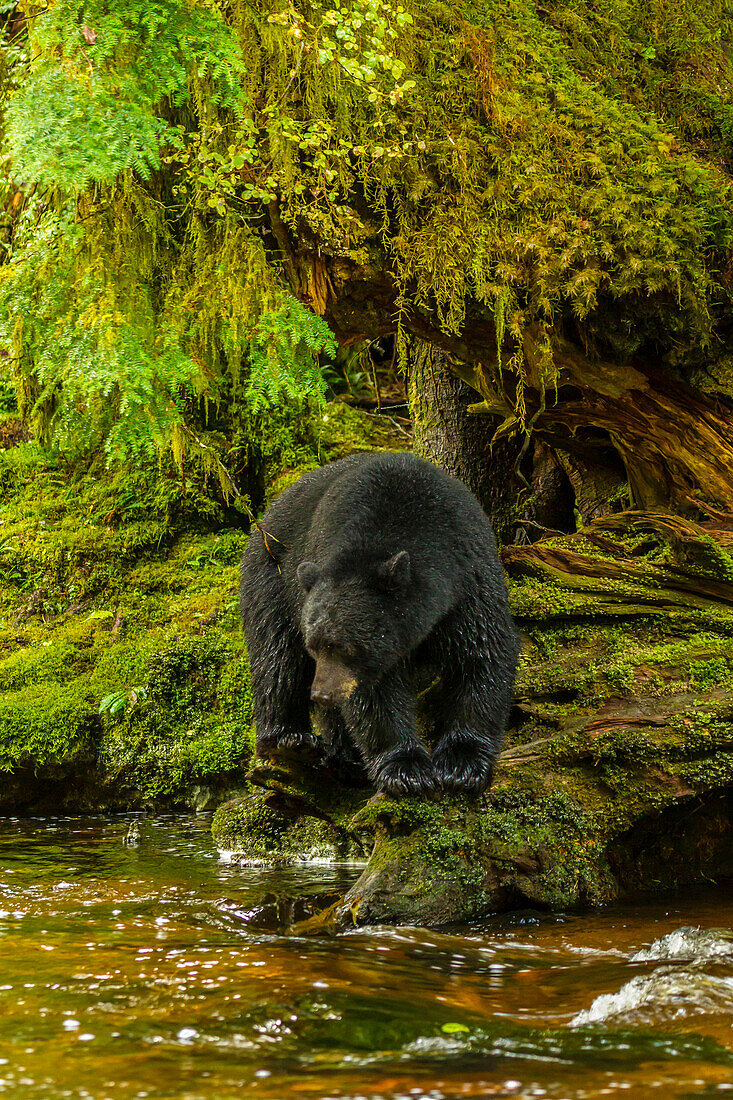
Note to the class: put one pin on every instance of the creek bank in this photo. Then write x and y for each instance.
(617, 779)
(123, 678)
(123, 684)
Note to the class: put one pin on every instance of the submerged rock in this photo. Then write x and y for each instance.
(690, 944)
(670, 993)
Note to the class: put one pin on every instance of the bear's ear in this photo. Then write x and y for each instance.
(396, 570)
(307, 574)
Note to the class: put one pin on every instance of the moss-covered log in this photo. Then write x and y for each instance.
(618, 775)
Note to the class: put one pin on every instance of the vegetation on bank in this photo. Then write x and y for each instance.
(123, 681)
(190, 186)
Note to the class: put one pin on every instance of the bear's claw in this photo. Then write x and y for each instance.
(405, 772)
(463, 770)
(288, 744)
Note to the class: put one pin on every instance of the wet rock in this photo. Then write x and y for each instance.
(131, 838)
(691, 945)
(278, 912)
(281, 824)
(669, 993)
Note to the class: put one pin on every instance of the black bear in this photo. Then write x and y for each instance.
(362, 574)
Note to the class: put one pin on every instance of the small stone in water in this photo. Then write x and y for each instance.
(186, 1034)
(71, 1025)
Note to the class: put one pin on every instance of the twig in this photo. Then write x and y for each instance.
(541, 527)
(397, 427)
(230, 482)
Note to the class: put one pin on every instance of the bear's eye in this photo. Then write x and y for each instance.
(338, 654)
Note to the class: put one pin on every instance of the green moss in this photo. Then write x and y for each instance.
(342, 429)
(185, 715)
(708, 674)
(336, 431)
(249, 823)
(403, 815)
(258, 833)
(713, 772)
(49, 728)
(118, 590)
(191, 723)
(44, 664)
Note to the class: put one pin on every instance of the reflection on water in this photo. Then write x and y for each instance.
(150, 971)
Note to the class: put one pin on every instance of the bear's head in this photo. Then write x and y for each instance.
(355, 623)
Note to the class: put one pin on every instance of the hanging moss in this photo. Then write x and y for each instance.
(547, 167)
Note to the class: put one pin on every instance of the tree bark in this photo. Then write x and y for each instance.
(447, 434)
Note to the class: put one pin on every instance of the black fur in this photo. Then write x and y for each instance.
(401, 575)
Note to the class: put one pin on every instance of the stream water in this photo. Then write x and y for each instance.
(157, 971)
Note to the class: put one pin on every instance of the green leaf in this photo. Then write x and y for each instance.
(454, 1029)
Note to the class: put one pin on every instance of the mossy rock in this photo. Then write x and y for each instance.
(254, 832)
(250, 826)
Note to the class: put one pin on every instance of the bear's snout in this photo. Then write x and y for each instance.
(320, 695)
(333, 682)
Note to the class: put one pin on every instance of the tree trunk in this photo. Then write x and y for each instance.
(446, 433)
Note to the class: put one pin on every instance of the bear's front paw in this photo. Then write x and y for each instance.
(282, 744)
(404, 772)
(463, 768)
